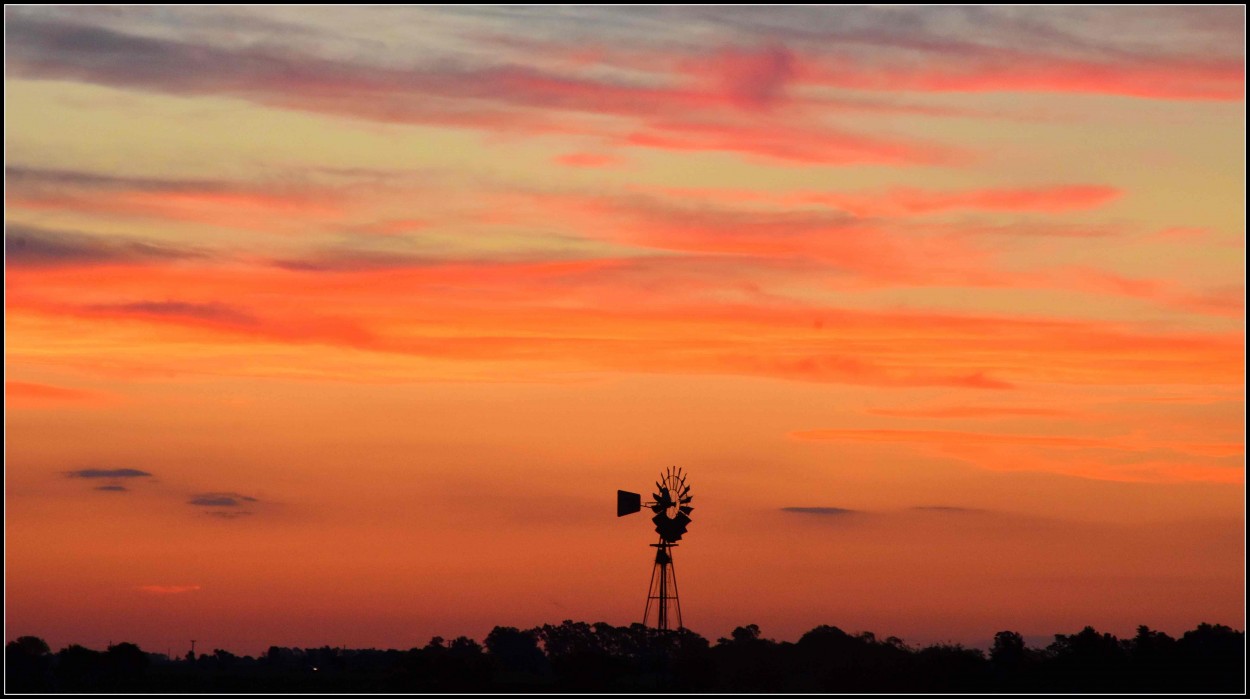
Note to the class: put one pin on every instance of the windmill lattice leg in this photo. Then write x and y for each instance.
(662, 593)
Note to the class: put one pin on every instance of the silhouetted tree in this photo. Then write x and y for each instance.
(515, 651)
(1214, 658)
(578, 657)
(1008, 649)
(951, 668)
(832, 660)
(516, 659)
(1013, 665)
(27, 665)
(458, 665)
(79, 669)
(1086, 660)
(1153, 662)
(126, 665)
(747, 662)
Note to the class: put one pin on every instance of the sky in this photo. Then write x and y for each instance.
(341, 326)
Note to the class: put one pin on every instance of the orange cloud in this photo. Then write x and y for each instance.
(241, 210)
(901, 202)
(390, 227)
(969, 411)
(808, 145)
(1140, 458)
(595, 313)
(911, 202)
(20, 394)
(588, 160)
(974, 438)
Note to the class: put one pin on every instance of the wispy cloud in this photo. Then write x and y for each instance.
(229, 514)
(986, 69)
(912, 202)
(108, 473)
(970, 411)
(220, 500)
(243, 205)
(212, 312)
(822, 511)
(678, 115)
(23, 393)
(590, 160)
(29, 246)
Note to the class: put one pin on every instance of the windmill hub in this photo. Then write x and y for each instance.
(672, 508)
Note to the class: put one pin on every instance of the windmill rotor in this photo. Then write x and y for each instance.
(672, 505)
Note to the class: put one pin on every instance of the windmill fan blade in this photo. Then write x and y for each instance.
(685, 510)
(687, 499)
(683, 519)
(669, 529)
(662, 500)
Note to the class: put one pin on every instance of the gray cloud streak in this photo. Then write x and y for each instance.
(823, 511)
(108, 473)
(30, 246)
(220, 500)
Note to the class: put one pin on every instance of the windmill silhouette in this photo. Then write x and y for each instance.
(672, 509)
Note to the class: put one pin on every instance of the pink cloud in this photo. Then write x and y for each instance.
(748, 78)
(715, 109)
(985, 69)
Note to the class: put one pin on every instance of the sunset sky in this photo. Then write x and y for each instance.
(341, 326)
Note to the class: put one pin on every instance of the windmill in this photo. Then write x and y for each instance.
(671, 505)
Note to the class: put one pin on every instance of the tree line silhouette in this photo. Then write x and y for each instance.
(581, 657)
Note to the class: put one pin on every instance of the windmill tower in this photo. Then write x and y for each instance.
(672, 509)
